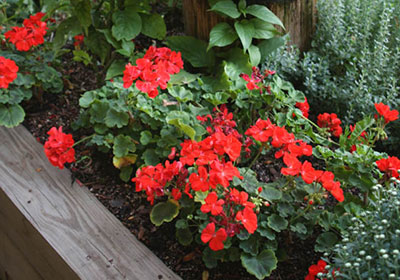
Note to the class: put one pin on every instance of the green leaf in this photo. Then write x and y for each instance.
(123, 145)
(268, 46)
(250, 245)
(25, 80)
(180, 93)
(87, 98)
(115, 118)
(150, 157)
(237, 63)
(182, 77)
(82, 56)
(245, 31)
(255, 55)
(325, 241)
(264, 14)
(193, 50)
(127, 25)
(70, 27)
(81, 9)
(285, 209)
(164, 212)
(270, 193)
(263, 30)
(153, 26)
(299, 227)
(260, 266)
(97, 44)
(116, 69)
(11, 116)
(181, 223)
(222, 35)
(98, 111)
(180, 120)
(226, 7)
(145, 137)
(16, 95)
(109, 37)
(126, 173)
(277, 223)
(184, 236)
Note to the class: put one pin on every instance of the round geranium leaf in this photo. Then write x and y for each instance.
(164, 212)
(261, 265)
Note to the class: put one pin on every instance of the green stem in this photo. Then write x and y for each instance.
(300, 214)
(83, 139)
(254, 160)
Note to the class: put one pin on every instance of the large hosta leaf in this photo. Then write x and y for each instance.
(11, 116)
(262, 12)
(164, 212)
(222, 35)
(261, 265)
(226, 7)
(127, 25)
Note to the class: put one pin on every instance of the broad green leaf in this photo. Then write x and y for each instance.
(16, 95)
(181, 223)
(70, 27)
(255, 55)
(181, 119)
(261, 265)
(153, 26)
(25, 80)
(81, 9)
(180, 93)
(82, 56)
(226, 7)
(116, 69)
(150, 157)
(250, 245)
(87, 98)
(270, 193)
(127, 48)
(299, 227)
(285, 209)
(123, 145)
(182, 77)
(325, 241)
(184, 236)
(109, 37)
(115, 118)
(127, 25)
(245, 31)
(263, 30)
(98, 111)
(222, 35)
(145, 137)
(264, 14)
(266, 232)
(11, 116)
(236, 63)
(297, 96)
(126, 173)
(210, 257)
(268, 46)
(193, 50)
(164, 212)
(277, 223)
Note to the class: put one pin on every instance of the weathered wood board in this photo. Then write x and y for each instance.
(51, 228)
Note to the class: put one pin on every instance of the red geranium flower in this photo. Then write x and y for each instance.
(78, 40)
(213, 204)
(390, 166)
(386, 113)
(216, 238)
(314, 269)
(8, 71)
(304, 107)
(248, 219)
(58, 148)
(330, 121)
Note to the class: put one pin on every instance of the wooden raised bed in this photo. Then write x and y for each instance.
(51, 228)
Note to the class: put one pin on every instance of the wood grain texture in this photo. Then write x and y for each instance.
(46, 221)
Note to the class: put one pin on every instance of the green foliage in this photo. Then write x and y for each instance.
(164, 212)
(353, 63)
(261, 265)
(369, 248)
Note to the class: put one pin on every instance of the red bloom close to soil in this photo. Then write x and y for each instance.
(386, 113)
(58, 148)
(8, 71)
(314, 269)
(213, 204)
(248, 219)
(330, 121)
(216, 238)
(390, 166)
(78, 40)
(32, 34)
(153, 70)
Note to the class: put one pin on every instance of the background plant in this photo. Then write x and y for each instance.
(353, 62)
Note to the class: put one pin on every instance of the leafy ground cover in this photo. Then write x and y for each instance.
(214, 158)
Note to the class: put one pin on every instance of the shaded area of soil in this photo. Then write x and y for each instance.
(132, 208)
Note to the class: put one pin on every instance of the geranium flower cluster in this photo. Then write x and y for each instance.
(8, 71)
(304, 107)
(59, 147)
(291, 149)
(255, 80)
(212, 159)
(331, 122)
(78, 40)
(386, 113)
(153, 70)
(314, 269)
(31, 34)
(390, 166)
